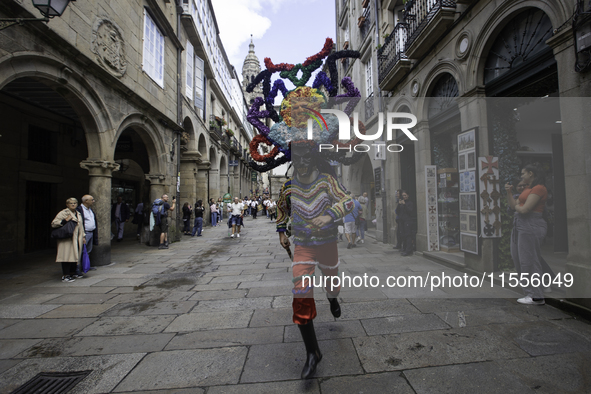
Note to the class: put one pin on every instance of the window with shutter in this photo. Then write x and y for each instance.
(153, 56)
(199, 83)
(189, 84)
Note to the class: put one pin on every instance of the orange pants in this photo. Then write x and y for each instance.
(305, 260)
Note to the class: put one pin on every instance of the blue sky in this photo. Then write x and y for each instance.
(287, 31)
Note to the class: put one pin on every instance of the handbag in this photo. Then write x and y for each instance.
(85, 260)
(65, 231)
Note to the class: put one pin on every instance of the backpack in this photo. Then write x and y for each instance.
(157, 208)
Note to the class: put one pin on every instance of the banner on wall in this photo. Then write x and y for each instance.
(467, 157)
(432, 226)
(490, 197)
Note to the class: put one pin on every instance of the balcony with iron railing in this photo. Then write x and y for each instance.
(215, 128)
(225, 141)
(392, 60)
(233, 145)
(426, 19)
(364, 23)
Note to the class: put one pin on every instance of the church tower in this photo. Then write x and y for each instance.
(250, 69)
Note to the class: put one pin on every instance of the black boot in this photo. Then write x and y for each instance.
(313, 353)
(335, 308)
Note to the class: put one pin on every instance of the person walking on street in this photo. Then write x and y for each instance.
(406, 212)
(90, 227)
(213, 208)
(119, 215)
(399, 226)
(236, 216)
(163, 224)
(187, 218)
(138, 218)
(198, 226)
(364, 217)
(350, 222)
(69, 249)
(253, 208)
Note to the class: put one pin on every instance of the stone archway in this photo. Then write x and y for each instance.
(63, 122)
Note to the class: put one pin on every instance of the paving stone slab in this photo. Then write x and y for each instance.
(536, 312)
(403, 323)
(432, 348)
(282, 317)
(45, 328)
(30, 298)
(146, 270)
(218, 295)
(236, 278)
(85, 282)
(270, 292)
(578, 326)
(560, 373)
(82, 310)
(90, 346)
(309, 386)
(107, 371)
(267, 283)
(284, 361)
(541, 338)
(210, 321)
(7, 364)
(151, 308)
(8, 322)
(186, 368)
(120, 282)
(72, 290)
(282, 301)
(83, 298)
(248, 270)
(369, 310)
(11, 347)
(217, 286)
(192, 390)
(16, 311)
(486, 377)
(389, 382)
(328, 330)
(454, 305)
(225, 338)
(127, 325)
(234, 304)
(478, 317)
(152, 296)
(222, 272)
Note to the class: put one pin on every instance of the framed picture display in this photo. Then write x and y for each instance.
(490, 197)
(467, 141)
(467, 202)
(469, 243)
(432, 212)
(469, 189)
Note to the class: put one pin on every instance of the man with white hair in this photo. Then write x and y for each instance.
(90, 226)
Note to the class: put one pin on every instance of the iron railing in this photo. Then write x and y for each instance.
(418, 14)
(392, 50)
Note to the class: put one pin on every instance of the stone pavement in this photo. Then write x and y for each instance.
(213, 315)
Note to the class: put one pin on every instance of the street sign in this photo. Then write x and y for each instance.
(233, 163)
(253, 177)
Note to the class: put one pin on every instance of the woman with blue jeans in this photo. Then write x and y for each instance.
(198, 227)
(214, 213)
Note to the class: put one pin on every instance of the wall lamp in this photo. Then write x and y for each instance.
(48, 8)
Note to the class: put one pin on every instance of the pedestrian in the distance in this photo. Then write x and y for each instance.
(236, 218)
(120, 215)
(162, 223)
(213, 208)
(198, 227)
(253, 208)
(187, 211)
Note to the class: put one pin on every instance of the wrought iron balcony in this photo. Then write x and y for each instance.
(392, 60)
(234, 144)
(225, 141)
(426, 19)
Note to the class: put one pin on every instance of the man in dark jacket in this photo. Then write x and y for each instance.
(90, 224)
(119, 215)
(407, 216)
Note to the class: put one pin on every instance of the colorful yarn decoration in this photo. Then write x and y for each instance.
(292, 123)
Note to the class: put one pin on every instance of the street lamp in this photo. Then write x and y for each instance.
(48, 8)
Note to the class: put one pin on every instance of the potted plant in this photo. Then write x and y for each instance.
(230, 132)
(213, 124)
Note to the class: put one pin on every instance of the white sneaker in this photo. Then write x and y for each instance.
(529, 301)
(232, 236)
(238, 235)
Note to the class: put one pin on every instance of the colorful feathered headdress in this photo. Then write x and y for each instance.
(297, 107)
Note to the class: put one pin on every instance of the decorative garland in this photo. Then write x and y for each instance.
(254, 152)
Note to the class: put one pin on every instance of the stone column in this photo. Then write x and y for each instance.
(189, 162)
(100, 173)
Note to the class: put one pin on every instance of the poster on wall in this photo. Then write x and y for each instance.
(469, 200)
(432, 227)
(490, 197)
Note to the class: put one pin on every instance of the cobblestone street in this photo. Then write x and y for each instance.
(212, 314)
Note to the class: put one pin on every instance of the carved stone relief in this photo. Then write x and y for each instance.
(108, 46)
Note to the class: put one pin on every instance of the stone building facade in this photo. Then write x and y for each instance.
(498, 68)
(130, 98)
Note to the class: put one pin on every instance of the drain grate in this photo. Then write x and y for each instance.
(52, 383)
